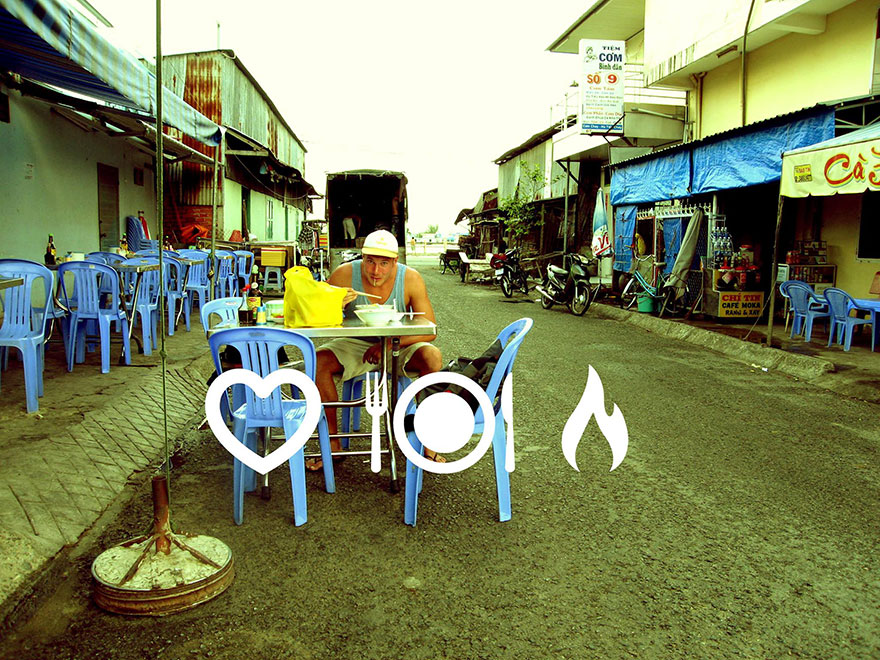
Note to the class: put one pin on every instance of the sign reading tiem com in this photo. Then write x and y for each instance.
(602, 86)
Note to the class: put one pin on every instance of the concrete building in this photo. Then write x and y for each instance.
(79, 143)
(760, 78)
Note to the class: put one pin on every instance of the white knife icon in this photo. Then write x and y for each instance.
(507, 413)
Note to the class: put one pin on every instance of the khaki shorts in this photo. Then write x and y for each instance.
(350, 354)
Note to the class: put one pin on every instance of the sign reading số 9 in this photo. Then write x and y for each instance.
(602, 85)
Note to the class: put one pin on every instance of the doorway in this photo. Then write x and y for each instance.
(245, 212)
(108, 207)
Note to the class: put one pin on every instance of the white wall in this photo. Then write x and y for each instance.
(49, 181)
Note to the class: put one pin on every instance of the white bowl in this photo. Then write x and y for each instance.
(378, 316)
(275, 308)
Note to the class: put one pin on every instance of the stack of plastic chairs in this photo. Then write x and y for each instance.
(22, 328)
(137, 240)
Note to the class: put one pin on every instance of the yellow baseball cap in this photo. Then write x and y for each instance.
(380, 243)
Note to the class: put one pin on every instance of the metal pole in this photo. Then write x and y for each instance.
(773, 269)
(214, 213)
(160, 216)
(565, 206)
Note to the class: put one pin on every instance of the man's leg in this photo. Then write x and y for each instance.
(427, 360)
(327, 368)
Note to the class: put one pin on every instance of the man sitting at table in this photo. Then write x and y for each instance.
(378, 273)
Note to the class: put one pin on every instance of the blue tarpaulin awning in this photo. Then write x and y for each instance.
(47, 41)
(667, 177)
(755, 157)
(742, 157)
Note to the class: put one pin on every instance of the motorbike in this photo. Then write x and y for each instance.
(569, 285)
(509, 273)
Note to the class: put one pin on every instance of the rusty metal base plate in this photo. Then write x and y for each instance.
(161, 584)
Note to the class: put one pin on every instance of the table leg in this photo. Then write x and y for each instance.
(395, 373)
(182, 300)
(131, 316)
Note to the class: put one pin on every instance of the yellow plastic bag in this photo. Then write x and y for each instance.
(310, 304)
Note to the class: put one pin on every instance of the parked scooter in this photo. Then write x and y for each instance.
(569, 285)
(509, 273)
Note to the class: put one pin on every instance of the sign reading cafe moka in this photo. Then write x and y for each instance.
(601, 102)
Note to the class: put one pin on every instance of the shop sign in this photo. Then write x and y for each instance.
(740, 303)
(602, 86)
(847, 169)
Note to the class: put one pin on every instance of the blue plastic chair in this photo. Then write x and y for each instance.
(259, 353)
(226, 309)
(147, 302)
(22, 328)
(806, 306)
(88, 305)
(108, 257)
(244, 260)
(225, 279)
(146, 253)
(511, 338)
(841, 304)
(175, 280)
(197, 277)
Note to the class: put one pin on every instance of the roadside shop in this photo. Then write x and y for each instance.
(727, 183)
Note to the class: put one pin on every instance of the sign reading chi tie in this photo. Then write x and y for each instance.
(443, 422)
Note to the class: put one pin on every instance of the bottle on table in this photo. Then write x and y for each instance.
(244, 314)
(50, 257)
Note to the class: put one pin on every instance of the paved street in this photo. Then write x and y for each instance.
(742, 523)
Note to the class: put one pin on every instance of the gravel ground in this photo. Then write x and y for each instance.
(742, 523)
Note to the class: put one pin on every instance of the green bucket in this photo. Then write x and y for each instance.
(645, 302)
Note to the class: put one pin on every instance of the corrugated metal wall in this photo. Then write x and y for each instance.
(246, 110)
(541, 155)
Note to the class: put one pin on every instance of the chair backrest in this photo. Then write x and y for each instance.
(198, 274)
(785, 286)
(88, 279)
(245, 261)
(225, 308)
(108, 257)
(149, 285)
(839, 303)
(224, 267)
(97, 258)
(171, 253)
(146, 253)
(511, 338)
(175, 274)
(19, 319)
(801, 295)
(258, 348)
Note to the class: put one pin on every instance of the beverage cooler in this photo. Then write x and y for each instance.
(731, 279)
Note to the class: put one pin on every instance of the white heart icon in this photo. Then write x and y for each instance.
(262, 388)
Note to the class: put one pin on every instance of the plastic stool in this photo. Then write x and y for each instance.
(276, 281)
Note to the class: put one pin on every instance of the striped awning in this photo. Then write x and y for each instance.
(47, 41)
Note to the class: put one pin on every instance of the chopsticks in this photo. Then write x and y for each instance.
(368, 295)
(361, 293)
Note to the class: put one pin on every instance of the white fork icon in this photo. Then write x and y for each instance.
(377, 405)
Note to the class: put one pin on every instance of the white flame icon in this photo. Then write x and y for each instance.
(592, 403)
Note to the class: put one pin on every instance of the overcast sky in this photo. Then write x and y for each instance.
(437, 90)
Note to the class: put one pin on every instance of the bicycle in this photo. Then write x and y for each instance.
(663, 294)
